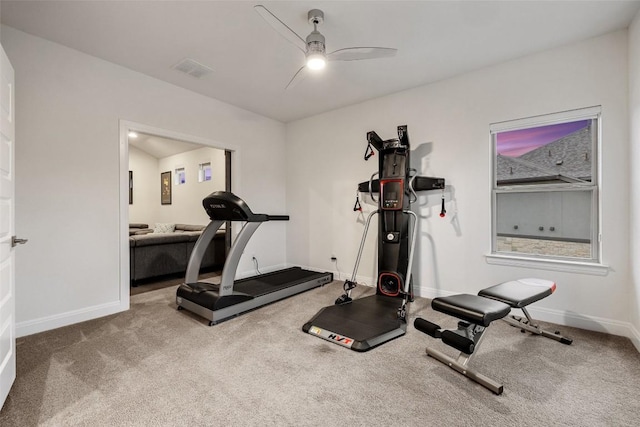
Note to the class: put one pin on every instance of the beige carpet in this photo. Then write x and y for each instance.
(156, 366)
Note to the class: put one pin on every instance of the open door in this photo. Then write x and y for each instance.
(7, 227)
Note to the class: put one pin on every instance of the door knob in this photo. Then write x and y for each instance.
(15, 241)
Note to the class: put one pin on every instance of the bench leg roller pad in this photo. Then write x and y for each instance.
(427, 327)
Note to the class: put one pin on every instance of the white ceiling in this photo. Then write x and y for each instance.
(252, 63)
(160, 147)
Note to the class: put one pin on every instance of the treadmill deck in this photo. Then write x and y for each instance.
(249, 293)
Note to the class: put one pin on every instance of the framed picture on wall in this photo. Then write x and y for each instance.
(130, 187)
(165, 188)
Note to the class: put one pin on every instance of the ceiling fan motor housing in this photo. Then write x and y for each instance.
(315, 42)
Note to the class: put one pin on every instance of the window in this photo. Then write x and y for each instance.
(180, 176)
(204, 172)
(545, 186)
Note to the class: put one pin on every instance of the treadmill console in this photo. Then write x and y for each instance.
(226, 206)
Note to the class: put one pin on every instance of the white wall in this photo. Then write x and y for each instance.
(186, 203)
(145, 187)
(634, 188)
(67, 184)
(448, 124)
(68, 111)
(186, 200)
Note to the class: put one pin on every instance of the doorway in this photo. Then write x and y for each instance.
(167, 175)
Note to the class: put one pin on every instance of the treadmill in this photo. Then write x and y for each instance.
(364, 323)
(231, 298)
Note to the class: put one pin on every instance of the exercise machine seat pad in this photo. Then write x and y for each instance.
(519, 293)
(471, 308)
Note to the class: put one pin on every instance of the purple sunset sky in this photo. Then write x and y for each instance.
(515, 143)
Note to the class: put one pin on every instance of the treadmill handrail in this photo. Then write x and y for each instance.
(199, 249)
(223, 206)
(233, 259)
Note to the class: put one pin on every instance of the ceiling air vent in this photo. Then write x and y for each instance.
(193, 68)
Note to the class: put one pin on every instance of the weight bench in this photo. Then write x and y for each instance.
(477, 312)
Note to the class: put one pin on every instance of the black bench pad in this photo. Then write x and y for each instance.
(471, 308)
(519, 293)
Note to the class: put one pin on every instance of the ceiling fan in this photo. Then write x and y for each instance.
(313, 46)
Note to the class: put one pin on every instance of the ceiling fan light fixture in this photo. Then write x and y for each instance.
(316, 57)
(313, 46)
(316, 61)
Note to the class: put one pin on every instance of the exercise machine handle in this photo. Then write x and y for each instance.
(371, 187)
(357, 207)
(369, 152)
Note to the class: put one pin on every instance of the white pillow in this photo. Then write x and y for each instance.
(164, 228)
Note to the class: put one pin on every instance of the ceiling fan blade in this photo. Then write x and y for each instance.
(358, 53)
(281, 27)
(297, 77)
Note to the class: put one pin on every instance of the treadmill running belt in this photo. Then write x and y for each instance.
(271, 282)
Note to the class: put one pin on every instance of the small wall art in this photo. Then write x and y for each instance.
(165, 188)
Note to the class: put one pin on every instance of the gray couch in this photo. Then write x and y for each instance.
(158, 254)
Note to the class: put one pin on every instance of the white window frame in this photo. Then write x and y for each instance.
(202, 171)
(177, 172)
(591, 265)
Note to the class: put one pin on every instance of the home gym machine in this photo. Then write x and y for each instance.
(367, 322)
(231, 298)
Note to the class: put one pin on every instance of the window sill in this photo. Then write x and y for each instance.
(548, 264)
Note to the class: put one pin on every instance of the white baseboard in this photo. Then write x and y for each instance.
(338, 275)
(575, 320)
(268, 269)
(432, 293)
(635, 337)
(55, 321)
(566, 318)
(360, 280)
